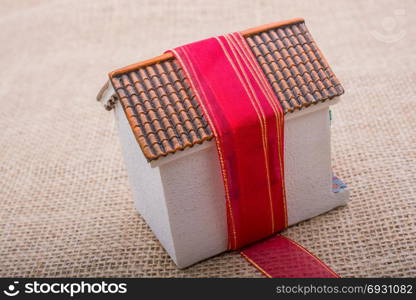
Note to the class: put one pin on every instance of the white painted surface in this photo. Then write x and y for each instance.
(146, 184)
(181, 196)
(196, 204)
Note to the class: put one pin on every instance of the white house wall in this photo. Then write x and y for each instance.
(146, 184)
(184, 204)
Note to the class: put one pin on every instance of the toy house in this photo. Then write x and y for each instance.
(171, 156)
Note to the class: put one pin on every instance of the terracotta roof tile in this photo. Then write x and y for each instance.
(166, 117)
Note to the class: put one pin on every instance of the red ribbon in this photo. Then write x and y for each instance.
(280, 257)
(248, 124)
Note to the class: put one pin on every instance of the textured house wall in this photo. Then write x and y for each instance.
(308, 171)
(145, 184)
(195, 201)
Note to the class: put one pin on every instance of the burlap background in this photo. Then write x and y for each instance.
(66, 208)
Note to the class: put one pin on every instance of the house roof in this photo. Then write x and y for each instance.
(165, 115)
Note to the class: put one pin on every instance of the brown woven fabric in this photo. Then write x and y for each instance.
(165, 116)
(65, 203)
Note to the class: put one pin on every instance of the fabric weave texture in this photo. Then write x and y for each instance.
(65, 203)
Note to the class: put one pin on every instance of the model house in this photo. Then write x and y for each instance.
(171, 156)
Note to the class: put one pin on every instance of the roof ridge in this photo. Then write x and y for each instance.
(169, 55)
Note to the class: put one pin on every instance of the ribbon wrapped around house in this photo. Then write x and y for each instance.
(234, 145)
(248, 123)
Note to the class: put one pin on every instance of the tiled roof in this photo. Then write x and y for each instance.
(164, 114)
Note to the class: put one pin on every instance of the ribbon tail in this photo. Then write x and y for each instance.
(280, 257)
